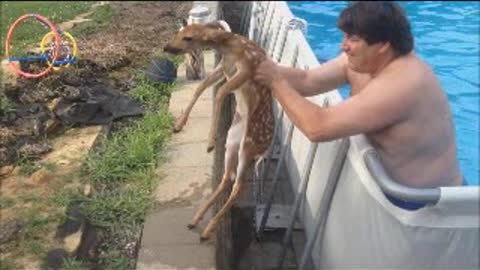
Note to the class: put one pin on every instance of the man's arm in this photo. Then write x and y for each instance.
(320, 79)
(378, 105)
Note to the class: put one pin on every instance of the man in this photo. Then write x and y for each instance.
(396, 100)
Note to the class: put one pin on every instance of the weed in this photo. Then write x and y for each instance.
(123, 172)
(6, 106)
(115, 259)
(130, 150)
(64, 197)
(99, 19)
(49, 166)
(27, 166)
(7, 264)
(153, 95)
(72, 264)
(6, 202)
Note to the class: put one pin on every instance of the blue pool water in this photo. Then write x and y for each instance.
(446, 36)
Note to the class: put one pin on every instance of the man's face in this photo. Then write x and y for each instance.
(362, 57)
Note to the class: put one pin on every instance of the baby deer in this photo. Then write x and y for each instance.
(251, 131)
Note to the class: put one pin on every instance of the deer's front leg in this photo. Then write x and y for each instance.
(214, 77)
(234, 83)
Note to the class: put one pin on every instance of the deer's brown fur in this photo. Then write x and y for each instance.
(251, 131)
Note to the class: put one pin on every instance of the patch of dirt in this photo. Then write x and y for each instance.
(110, 57)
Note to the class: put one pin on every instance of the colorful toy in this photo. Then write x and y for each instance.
(68, 50)
(55, 51)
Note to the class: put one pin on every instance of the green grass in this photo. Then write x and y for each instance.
(31, 31)
(99, 20)
(72, 264)
(125, 165)
(27, 166)
(6, 202)
(123, 173)
(6, 105)
(6, 264)
(132, 150)
(40, 213)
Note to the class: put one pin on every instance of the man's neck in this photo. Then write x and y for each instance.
(384, 62)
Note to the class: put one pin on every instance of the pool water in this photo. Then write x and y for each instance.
(446, 36)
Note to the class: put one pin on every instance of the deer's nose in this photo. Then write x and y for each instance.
(167, 48)
(170, 49)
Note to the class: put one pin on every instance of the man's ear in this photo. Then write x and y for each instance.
(385, 47)
(184, 22)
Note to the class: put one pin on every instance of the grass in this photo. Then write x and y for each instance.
(99, 20)
(41, 211)
(6, 105)
(122, 172)
(6, 202)
(27, 166)
(72, 264)
(40, 221)
(30, 31)
(7, 264)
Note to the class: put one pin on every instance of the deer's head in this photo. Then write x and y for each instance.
(194, 36)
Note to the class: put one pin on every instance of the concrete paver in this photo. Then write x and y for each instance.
(166, 242)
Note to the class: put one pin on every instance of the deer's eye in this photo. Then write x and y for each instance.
(187, 38)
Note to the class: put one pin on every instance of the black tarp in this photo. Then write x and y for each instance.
(98, 104)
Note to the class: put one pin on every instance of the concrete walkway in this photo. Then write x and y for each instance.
(184, 184)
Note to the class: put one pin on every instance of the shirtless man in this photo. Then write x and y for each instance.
(396, 100)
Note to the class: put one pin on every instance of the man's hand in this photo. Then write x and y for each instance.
(267, 73)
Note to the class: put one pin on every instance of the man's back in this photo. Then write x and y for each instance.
(419, 150)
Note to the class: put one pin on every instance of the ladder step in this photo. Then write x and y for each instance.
(277, 219)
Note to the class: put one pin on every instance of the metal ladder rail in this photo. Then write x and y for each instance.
(301, 193)
(325, 201)
(296, 206)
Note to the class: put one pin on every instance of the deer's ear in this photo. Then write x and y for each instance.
(214, 25)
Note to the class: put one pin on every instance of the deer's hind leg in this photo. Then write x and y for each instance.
(246, 159)
(232, 146)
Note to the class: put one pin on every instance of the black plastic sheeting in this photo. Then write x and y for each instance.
(98, 105)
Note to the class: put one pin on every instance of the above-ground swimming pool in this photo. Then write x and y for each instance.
(446, 36)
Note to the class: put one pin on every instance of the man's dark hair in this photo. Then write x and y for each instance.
(378, 22)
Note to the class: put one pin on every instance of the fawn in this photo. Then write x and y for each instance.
(251, 131)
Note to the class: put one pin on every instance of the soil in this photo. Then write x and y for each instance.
(109, 57)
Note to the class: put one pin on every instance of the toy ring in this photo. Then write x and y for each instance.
(9, 36)
(67, 55)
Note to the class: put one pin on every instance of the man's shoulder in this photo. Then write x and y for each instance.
(407, 71)
(409, 64)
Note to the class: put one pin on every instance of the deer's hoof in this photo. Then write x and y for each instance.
(177, 128)
(204, 238)
(210, 148)
(191, 226)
